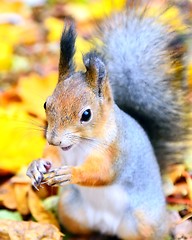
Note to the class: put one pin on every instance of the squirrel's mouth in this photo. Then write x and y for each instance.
(66, 148)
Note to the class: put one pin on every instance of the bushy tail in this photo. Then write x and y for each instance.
(146, 63)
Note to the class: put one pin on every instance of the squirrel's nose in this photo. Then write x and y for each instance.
(53, 139)
(54, 142)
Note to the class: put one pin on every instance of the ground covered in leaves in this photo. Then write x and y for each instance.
(29, 50)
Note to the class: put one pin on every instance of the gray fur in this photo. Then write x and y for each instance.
(133, 199)
(139, 54)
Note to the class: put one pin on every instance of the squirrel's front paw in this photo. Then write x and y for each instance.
(59, 176)
(36, 170)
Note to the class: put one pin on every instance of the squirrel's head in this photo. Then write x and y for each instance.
(81, 102)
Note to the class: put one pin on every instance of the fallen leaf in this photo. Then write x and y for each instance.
(92, 10)
(7, 196)
(33, 90)
(54, 27)
(14, 7)
(6, 214)
(5, 56)
(39, 212)
(51, 203)
(28, 141)
(171, 16)
(21, 194)
(83, 47)
(17, 230)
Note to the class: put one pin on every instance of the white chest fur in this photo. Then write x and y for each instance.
(106, 206)
(76, 155)
(102, 211)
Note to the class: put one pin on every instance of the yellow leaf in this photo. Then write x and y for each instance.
(92, 10)
(82, 47)
(171, 16)
(34, 91)
(12, 33)
(100, 9)
(54, 27)
(79, 12)
(20, 141)
(14, 7)
(6, 55)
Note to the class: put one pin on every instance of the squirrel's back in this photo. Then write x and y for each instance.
(146, 61)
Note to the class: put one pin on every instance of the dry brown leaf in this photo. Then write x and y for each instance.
(21, 186)
(38, 211)
(17, 230)
(14, 194)
(7, 196)
(21, 194)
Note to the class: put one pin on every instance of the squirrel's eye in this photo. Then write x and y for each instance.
(45, 105)
(86, 116)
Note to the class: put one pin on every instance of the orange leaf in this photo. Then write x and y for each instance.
(7, 196)
(38, 211)
(21, 194)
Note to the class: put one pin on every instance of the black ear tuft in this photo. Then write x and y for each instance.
(67, 51)
(96, 70)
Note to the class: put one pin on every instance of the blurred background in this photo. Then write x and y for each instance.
(30, 31)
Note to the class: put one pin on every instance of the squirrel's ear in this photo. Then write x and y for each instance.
(67, 51)
(96, 71)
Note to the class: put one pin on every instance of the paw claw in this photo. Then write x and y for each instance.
(39, 179)
(35, 186)
(59, 176)
(36, 171)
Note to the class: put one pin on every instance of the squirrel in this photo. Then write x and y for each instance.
(116, 126)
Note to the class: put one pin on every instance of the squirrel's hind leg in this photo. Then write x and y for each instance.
(136, 227)
(72, 211)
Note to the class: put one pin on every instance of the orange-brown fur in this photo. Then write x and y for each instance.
(52, 153)
(71, 96)
(97, 170)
